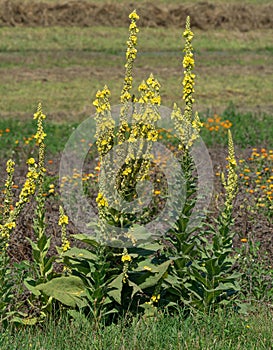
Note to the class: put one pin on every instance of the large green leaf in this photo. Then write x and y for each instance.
(68, 290)
(152, 280)
(116, 288)
(86, 239)
(78, 253)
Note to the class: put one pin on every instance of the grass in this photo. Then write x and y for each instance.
(248, 129)
(64, 67)
(100, 39)
(221, 331)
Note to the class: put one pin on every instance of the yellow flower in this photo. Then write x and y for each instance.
(125, 258)
(188, 61)
(63, 220)
(127, 171)
(10, 166)
(10, 225)
(31, 161)
(155, 298)
(134, 15)
(65, 245)
(101, 200)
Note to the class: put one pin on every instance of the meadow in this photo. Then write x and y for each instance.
(137, 298)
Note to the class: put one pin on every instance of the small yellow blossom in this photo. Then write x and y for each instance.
(134, 15)
(63, 220)
(31, 161)
(125, 258)
(10, 225)
(101, 200)
(155, 298)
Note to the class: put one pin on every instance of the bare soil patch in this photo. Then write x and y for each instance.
(244, 224)
(204, 15)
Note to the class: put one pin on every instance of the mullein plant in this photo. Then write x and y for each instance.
(42, 263)
(195, 271)
(41, 270)
(135, 134)
(10, 215)
(215, 281)
(189, 267)
(202, 275)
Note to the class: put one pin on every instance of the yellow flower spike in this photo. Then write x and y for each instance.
(187, 126)
(104, 122)
(231, 183)
(125, 96)
(63, 222)
(188, 63)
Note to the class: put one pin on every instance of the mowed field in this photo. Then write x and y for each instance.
(64, 66)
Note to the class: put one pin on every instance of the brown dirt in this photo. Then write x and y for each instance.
(255, 228)
(204, 15)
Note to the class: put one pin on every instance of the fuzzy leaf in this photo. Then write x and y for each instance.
(68, 290)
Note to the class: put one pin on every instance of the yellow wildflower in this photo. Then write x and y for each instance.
(31, 161)
(125, 258)
(63, 220)
(134, 15)
(101, 200)
(10, 225)
(155, 298)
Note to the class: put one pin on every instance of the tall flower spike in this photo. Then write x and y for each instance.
(40, 136)
(63, 222)
(105, 124)
(187, 126)
(105, 135)
(131, 53)
(231, 182)
(188, 64)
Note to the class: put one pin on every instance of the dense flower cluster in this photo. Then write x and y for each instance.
(101, 200)
(104, 121)
(8, 189)
(63, 222)
(150, 91)
(130, 57)
(39, 116)
(188, 64)
(187, 126)
(230, 183)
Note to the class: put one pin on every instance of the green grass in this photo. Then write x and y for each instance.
(100, 39)
(248, 129)
(221, 331)
(64, 67)
(19, 145)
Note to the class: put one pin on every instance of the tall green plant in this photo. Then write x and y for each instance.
(11, 213)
